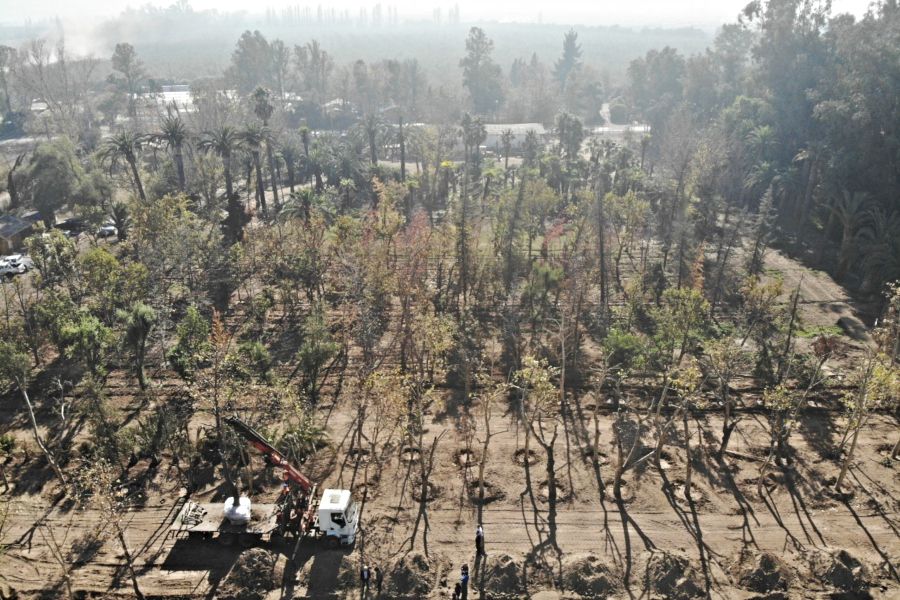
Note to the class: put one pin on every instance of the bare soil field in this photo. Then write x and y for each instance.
(797, 540)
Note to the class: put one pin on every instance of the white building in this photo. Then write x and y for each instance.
(519, 130)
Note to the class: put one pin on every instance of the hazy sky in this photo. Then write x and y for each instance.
(702, 13)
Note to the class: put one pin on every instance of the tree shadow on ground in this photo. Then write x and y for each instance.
(202, 555)
(819, 432)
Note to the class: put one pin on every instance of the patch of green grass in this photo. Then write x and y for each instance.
(820, 330)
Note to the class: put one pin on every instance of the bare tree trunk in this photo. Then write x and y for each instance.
(14, 199)
(689, 469)
(129, 561)
(728, 423)
(37, 435)
(859, 415)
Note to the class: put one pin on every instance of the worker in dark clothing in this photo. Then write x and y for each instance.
(364, 576)
(457, 591)
(379, 580)
(479, 542)
(464, 582)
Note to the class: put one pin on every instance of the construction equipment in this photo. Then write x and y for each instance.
(334, 520)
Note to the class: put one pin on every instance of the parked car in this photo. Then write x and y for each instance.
(11, 268)
(73, 225)
(107, 230)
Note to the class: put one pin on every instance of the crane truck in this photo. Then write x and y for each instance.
(298, 513)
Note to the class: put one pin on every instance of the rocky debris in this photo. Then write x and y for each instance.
(503, 574)
(672, 575)
(764, 573)
(253, 575)
(411, 576)
(842, 570)
(589, 576)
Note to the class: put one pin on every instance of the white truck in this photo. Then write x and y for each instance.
(333, 520)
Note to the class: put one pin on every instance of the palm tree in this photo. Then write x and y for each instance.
(850, 211)
(506, 140)
(139, 322)
(174, 134)
(253, 136)
(315, 163)
(224, 142)
(290, 153)
(880, 239)
(264, 109)
(121, 218)
(299, 205)
(125, 145)
(369, 131)
(304, 139)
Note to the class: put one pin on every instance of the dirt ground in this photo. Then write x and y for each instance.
(799, 540)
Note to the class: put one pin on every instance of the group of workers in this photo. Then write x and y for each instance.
(460, 590)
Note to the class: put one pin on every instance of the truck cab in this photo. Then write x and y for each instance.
(338, 517)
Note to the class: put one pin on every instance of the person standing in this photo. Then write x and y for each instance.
(364, 576)
(379, 580)
(479, 542)
(457, 591)
(464, 582)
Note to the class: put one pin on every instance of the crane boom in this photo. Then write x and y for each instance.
(273, 456)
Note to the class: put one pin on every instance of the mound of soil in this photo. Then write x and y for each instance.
(503, 575)
(563, 493)
(587, 575)
(253, 575)
(410, 454)
(410, 577)
(425, 494)
(625, 490)
(467, 458)
(492, 493)
(842, 570)
(672, 575)
(588, 453)
(359, 456)
(679, 490)
(665, 461)
(521, 458)
(765, 573)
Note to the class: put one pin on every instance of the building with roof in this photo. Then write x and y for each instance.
(13, 232)
(520, 131)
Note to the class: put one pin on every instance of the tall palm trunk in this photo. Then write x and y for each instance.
(320, 185)
(273, 173)
(137, 177)
(260, 184)
(229, 182)
(373, 152)
(179, 164)
(402, 152)
(291, 175)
